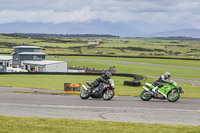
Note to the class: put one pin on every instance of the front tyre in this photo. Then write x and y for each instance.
(108, 94)
(146, 96)
(173, 96)
(84, 94)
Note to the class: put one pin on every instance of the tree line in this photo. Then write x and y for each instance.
(43, 35)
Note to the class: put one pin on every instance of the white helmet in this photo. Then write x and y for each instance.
(167, 75)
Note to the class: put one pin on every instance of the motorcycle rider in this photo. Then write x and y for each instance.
(103, 79)
(159, 83)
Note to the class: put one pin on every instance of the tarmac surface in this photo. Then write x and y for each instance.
(122, 108)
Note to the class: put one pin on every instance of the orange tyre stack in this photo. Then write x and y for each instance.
(72, 87)
(76, 88)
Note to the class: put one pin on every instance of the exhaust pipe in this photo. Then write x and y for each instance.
(146, 89)
(85, 87)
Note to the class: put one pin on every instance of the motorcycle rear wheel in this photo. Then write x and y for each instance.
(173, 97)
(84, 94)
(108, 94)
(145, 96)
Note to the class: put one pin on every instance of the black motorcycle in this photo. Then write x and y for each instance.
(104, 90)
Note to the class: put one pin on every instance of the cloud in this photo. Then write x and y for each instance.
(113, 11)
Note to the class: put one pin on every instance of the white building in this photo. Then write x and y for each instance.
(5, 61)
(31, 59)
(93, 43)
(23, 53)
(46, 66)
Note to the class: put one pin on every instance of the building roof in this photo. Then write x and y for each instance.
(27, 47)
(5, 57)
(32, 53)
(44, 62)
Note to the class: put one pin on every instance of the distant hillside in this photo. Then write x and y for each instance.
(194, 33)
(94, 27)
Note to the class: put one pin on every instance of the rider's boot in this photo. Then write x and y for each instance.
(155, 91)
(90, 89)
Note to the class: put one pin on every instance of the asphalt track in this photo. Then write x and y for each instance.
(123, 109)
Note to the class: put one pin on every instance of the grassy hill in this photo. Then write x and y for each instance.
(156, 47)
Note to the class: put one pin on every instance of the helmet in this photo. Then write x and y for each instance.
(167, 75)
(108, 75)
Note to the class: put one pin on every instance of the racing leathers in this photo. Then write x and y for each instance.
(102, 79)
(159, 83)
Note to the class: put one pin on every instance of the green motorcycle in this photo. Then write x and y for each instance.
(171, 92)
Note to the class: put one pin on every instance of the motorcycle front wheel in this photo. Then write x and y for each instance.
(84, 94)
(173, 96)
(145, 96)
(108, 94)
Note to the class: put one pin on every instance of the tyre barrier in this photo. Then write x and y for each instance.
(72, 87)
(76, 88)
(132, 83)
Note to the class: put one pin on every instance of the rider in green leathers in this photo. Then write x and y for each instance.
(159, 83)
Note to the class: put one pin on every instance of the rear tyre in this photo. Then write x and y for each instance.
(84, 94)
(146, 96)
(108, 94)
(173, 97)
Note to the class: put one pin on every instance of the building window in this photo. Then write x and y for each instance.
(36, 50)
(39, 57)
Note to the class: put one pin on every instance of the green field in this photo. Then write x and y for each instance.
(178, 47)
(137, 69)
(188, 63)
(48, 125)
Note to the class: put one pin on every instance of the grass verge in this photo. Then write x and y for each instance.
(41, 92)
(10, 124)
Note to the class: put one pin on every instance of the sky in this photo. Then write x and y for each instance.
(161, 15)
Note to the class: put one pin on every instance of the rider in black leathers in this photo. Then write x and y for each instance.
(103, 79)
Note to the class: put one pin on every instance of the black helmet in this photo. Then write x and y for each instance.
(108, 75)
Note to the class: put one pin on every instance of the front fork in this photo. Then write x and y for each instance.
(173, 91)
